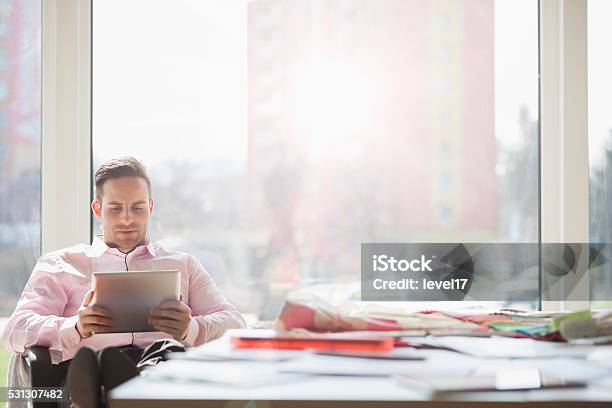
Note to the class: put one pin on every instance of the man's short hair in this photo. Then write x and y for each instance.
(117, 168)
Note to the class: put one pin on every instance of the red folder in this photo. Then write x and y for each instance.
(317, 342)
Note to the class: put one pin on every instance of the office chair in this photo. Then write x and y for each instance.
(43, 373)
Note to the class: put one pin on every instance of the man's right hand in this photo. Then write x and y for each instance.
(93, 319)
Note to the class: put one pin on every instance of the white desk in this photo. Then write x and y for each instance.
(364, 391)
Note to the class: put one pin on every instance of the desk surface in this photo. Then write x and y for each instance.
(364, 390)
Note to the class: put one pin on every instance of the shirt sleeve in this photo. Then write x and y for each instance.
(37, 319)
(211, 313)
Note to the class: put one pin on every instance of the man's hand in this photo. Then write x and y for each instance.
(93, 319)
(172, 317)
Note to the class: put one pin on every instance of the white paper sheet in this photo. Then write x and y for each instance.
(235, 374)
(443, 362)
(503, 347)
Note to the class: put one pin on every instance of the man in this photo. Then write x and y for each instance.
(55, 308)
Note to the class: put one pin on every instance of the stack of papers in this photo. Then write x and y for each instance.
(218, 363)
(504, 347)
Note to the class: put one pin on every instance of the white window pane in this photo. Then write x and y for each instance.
(600, 141)
(280, 135)
(20, 131)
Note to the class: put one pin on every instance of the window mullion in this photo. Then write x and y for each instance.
(66, 132)
(564, 129)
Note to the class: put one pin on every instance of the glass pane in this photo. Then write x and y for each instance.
(20, 131)
(600, 142)
(280, 135)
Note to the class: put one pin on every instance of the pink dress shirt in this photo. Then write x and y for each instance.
(46, 314)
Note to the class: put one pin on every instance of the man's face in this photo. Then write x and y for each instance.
(124, 212)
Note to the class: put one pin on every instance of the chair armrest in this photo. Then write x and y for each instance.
(38, 359)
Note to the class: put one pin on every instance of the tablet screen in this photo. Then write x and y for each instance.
(131, 295)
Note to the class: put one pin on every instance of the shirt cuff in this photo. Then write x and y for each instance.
(192, 333)
(69, 336)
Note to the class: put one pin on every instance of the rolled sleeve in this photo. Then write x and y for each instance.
(69, 336)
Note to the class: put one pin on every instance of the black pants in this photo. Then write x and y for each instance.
(142, 358)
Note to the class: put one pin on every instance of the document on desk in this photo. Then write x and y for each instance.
(403, 353)
(444, 362)
(222, 350)
(501, 380)
(602, 356)
(503, 347)
(234, 374)
(229, 354)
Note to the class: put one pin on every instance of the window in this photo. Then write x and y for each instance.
(280, 135)
(20, 137)
(600, 142)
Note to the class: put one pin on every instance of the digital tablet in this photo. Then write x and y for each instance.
(130, 296)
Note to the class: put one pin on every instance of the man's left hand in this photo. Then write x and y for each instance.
(172, 317)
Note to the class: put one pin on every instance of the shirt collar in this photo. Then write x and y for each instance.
(100, 247)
